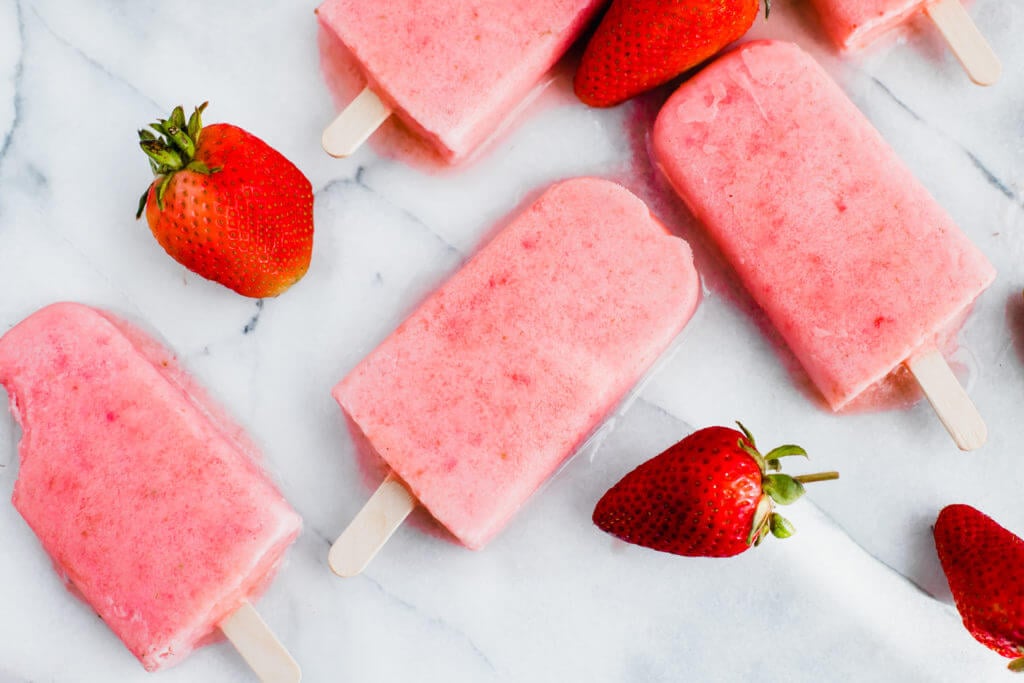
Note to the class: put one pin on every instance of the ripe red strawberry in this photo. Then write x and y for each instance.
(226, 205)
(984, 564)
(709, 495)
(641, 44)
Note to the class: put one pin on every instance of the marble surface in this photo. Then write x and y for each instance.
(856, 595)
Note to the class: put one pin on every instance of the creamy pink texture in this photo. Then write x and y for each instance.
(852, 24)
(147, 499)
(505, 370)
(846, 252)
(454, 70)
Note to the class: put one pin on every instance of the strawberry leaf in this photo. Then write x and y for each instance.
(178, 117)
(142, 204)
(746, 433)
(161, 153)
(161, 189)
(195, 124)
(752, 452)
(761, 514)
(781, 527)
(181, 141)
(200, 167)
(195, 121)
(1016, 665)
(783, 488)
(784, 451)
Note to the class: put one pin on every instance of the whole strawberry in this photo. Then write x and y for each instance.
(226, 205)
(711, 495)
(984, 564)
(641, 44)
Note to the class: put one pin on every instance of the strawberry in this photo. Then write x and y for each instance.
(226, 205)
(641, 44)
(984, 564)
(711, 495)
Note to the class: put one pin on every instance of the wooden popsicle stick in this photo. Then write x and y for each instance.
(354, 124)
(966, 41)
(954, 407)
(360, 542)
(259, 647)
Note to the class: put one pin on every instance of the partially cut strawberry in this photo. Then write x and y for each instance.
(984, 564)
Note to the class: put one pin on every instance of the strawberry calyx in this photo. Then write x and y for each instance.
(172, 150)
(1017, 665)
(777, 488)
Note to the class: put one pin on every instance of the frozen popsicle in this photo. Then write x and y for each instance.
(847, 253)
(451, 71)
(504, 371)
(150, 503)
(853, 24)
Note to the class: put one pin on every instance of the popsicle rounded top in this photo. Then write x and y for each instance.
(505, 370)
(452, 71)
(847, 253)
(148, 500)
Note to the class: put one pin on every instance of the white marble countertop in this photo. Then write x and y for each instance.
(856, 595)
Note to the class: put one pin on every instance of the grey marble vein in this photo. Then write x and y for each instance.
(991, 178)
(359, 181)
(900, 103)
(458, 633)
(19, 71)
(250, 326)
(96, 64)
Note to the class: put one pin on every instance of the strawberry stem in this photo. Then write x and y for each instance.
(820, 476)
(172, 150)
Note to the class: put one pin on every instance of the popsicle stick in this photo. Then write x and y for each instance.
(259, 647)
(966, 41)
(360, 542)
(952, 404)
(354, 124)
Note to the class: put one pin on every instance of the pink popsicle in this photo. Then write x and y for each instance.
(847, 253)
(853, 24)
(149, 502)
(453, 71)
(505, 370)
